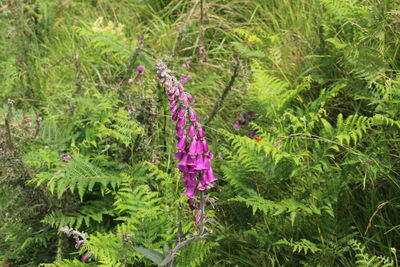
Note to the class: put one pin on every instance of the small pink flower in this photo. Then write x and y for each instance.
(85, 257)
(185, 78)
(236, 126)
(65, 157)
(141, 37)
(240, 118)
(140, 69)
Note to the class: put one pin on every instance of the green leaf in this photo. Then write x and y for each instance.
(152, 255)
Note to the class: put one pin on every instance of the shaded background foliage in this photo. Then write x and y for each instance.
(309, 176)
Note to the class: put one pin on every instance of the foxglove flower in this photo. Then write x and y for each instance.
(193, 153)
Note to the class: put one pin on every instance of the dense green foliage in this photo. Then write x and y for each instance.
(308, 177)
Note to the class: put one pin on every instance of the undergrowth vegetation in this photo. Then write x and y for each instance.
(301, 105)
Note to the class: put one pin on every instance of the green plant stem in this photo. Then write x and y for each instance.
(200, 233)
(218, 104)
(131, 64)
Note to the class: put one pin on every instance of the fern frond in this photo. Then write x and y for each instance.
(365, 260)
(303, 245)
(78, 174)
(92, 211)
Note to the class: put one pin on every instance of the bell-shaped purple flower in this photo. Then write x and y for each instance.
(191, 161)
(180, 131)
(181, 145)
(192, 115)
(205, 146)
(182, 165)
(179, 155)
(199, 163)
(190, 190)
(181, 122)
(175, 116)
(202, 186)
(173, 109)
(190, 98)
(193, 147)
(182, 112)
(171, 97)
(200, 132)
(199, 147)
(206, 163)
(208, 177)
(191, 131)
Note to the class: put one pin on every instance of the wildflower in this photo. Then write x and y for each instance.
(252, 134)
(85, 257)
(66, 157)
(193, 153)
(141, 37)
(258, 139)
(236, 126)
(185, 78)
(240, 118)
(140, 69)
(201, 51)
(250, 115)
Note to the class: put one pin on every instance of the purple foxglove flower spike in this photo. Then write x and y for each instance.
(194, 155)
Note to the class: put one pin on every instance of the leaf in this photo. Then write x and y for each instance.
(152, 255)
